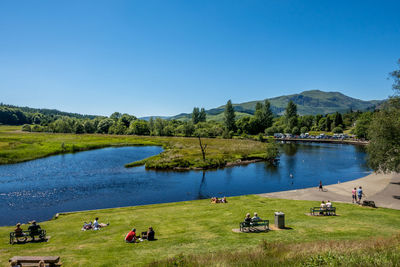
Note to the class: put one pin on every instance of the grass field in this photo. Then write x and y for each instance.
(204, 231)
(17, 146)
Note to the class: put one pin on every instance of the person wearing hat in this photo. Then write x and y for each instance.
(18, 231)
(131, 236)
(34, 229)
(255, 218)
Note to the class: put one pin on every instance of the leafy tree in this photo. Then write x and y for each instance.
(89, 126)
(322, 124)
(384, 146)
(337, 130)
(115, 116)
(271, 130)
(79, 128)
(384, 133)
(328, 123)
(139, 127)
(338, 119)
(104, 125)
(362, 125)
(229, 117)
(291, 114)
(117, 128)
(304, 130)
(263, 117)
(202, 115)
(126, 119)
(296, 130)
(244, 124)
(195, 115)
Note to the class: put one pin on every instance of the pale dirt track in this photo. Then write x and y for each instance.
(384, 189)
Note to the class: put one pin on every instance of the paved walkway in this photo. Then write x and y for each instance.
(384, 189)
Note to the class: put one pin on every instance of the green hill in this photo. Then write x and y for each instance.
(308, 103)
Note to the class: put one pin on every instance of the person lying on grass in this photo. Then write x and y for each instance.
(87, 226)
(97, 225)
(131, 236)
(149, 235)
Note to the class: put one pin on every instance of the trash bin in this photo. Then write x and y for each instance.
(280, 220)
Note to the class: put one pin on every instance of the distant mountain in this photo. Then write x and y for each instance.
(311, 102)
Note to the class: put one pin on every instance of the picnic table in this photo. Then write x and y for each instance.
(253, 224)
(25, 261)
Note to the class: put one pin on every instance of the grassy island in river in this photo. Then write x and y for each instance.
(179, 152)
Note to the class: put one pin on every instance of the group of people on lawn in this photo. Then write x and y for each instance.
(94, 226)
(131, 237)
(216, 200)
(33, 230)
(249, 219)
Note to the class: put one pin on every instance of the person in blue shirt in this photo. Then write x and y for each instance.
(359, 194)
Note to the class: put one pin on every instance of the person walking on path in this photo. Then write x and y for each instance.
(360, 194)
(320, 186)
(354, 195)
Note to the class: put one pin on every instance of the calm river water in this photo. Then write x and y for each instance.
(97, 179)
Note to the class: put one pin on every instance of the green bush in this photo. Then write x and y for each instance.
(337, 130)
(26, 128)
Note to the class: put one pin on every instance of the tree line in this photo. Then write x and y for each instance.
(262, 122)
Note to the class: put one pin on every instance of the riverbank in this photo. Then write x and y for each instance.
(384, 189)
(201, 229)
(331, 141)
(179, 152)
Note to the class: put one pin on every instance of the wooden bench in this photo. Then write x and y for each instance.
(14, 238)
(31, 261)
(321, 211)
(252, 225)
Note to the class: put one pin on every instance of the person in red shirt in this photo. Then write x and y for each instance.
(131, 236)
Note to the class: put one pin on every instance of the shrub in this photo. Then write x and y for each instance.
(337, 130)
(26, 128)
(304, 129)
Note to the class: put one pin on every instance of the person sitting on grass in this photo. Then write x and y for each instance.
(97, 225)
(224, 200)
(255, 218)
(213, 200)
(131, 236)
(33, 229)
(149, 235)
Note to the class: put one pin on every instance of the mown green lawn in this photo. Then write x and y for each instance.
(195, 227)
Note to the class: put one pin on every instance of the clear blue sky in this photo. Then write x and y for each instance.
(165, 57)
